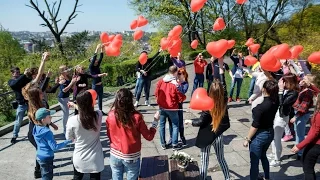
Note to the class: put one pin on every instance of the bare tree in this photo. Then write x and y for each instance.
(52, 21)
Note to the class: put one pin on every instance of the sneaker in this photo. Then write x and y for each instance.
(183, 141)
(287, 138)
(270, 156)
(275, 163)
(230, 99)
(37, 173)
(13, 140)
(147, 103)
(136, 104)
(177, 147)
(238, 99)
(164, 147)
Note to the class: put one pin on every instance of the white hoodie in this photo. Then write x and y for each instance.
(170, 78)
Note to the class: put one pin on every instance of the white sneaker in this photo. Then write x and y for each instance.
(147, 103)
(275, 163)
(270, 156)
(136, 104)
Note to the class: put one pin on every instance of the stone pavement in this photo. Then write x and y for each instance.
(18, 161)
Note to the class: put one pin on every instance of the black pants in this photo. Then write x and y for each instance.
(309, 160)
(33, 142)
(78, 176)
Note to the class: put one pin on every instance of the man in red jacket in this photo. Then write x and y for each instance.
(199, 65)
(168, 97)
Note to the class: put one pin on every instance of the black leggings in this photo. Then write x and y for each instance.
(78, 175)
(309, 160)
(33, 142)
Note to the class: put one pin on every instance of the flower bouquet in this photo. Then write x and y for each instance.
(183, 159)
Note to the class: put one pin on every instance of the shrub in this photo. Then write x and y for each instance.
(193, 54)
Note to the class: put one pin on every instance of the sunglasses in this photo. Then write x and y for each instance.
(179, 74)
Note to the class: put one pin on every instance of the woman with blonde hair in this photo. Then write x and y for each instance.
(212, 124)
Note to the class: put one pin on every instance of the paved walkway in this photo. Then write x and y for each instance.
(18, 161)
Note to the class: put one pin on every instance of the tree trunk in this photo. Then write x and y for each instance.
(59, 43)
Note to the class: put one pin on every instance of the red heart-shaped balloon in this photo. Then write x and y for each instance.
(194, 44)
(219, 24)
(134, 24)
(269, 62)
(231, 43)
(142, 21)
(241, 1)
(200, 100)
(282, 51)
(249, 42)
(217, 48)
(254, 48)
(314, 57)
(250, 60)
(295, 51)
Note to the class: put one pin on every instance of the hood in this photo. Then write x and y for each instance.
(168, 78)
(40, 131)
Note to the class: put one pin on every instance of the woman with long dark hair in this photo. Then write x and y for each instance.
(261, 132)
(288, 94)
(212, 124)
(84, 129)
(125, 125)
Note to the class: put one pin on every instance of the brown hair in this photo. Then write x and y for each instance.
(272, 89)
(216, 93)
(291, 81)
(173, 69)
(87, 115)
(184, 73)
(123, 108)
(34, 103)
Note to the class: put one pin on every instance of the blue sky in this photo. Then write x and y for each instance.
(99, 15)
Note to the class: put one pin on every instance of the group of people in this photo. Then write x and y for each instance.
(277, 100)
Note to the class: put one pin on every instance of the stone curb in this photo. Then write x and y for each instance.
(9, 127)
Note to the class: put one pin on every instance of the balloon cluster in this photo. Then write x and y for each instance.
(112, 43)
(173, 42)
(219, 48)
(140, 22)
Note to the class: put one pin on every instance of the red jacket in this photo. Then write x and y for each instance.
(313, 134)
(126, 142)
(168, 96)
(199, 65)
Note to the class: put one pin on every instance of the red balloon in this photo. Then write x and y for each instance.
(314, 58)
(112, 51)
(143, 58)
(194, 44)
(196, 5)
(118, 36)
(93, 95)
(111, 37)
(254, 48)
(174, 52)
(200, 100)
(269, 62)
(219, 24)
(142, 21)
(241, 1)
(104, 37)
(250, 60)
(134, 24)
(177, 30)
(231, 43)
(218, 48)
(282, 51)
(295, 51)
(164, 43)
(116, 43)
(249, 42)
(137, 35)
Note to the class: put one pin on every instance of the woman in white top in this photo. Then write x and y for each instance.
(84, 129)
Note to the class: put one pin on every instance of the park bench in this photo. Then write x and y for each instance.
(157, 168)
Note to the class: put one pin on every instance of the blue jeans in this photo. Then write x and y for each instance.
(136, 88)
(120, 166)
(258, 150)
(21, 110)
(99, 90)
(46, 167)
(198, 82)
(181, 127)
(174, 116)
(252, 83)
(300, 129)
(237, 81)
(145, 83)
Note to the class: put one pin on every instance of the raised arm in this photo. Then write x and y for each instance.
(101, 55)
(41, 67)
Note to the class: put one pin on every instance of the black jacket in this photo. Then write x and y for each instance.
(205, 135)
(147, 66)
(286, 101)
(17, 85)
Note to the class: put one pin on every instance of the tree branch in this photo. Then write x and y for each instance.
(71, 16)
(56, 15)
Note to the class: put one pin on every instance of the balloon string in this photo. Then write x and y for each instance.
(269, 28)
(195, 19)
(233, 17)
(153, 63)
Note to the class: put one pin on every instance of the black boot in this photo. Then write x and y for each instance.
(37, 173)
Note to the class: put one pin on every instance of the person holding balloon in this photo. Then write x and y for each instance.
(237, 74)
(144, 82)
(94, 68)
(177, 61)
(84, 130)
(199, 64)
(213, 123)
